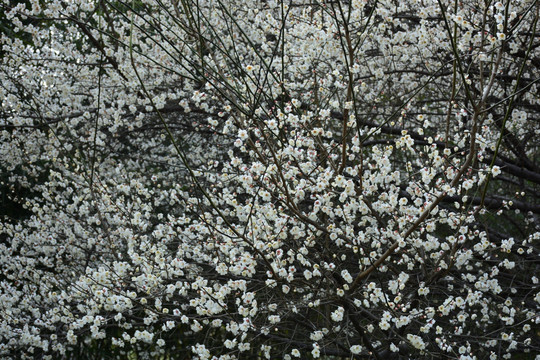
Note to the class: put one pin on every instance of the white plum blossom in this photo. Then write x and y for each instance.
(337, 315)
(356, 349)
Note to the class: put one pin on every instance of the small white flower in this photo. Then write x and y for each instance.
(337, 315)
(423, 291)
(242, 134)
(356, 349)
(316, 353)
(416, 341)
(495, 171)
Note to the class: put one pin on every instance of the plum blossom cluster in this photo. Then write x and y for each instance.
(269, 179)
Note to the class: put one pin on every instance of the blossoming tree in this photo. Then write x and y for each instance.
(270, 179)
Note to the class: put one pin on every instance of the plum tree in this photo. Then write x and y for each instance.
(262, 179)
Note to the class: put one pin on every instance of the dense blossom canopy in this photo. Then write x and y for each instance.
(225, 179)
